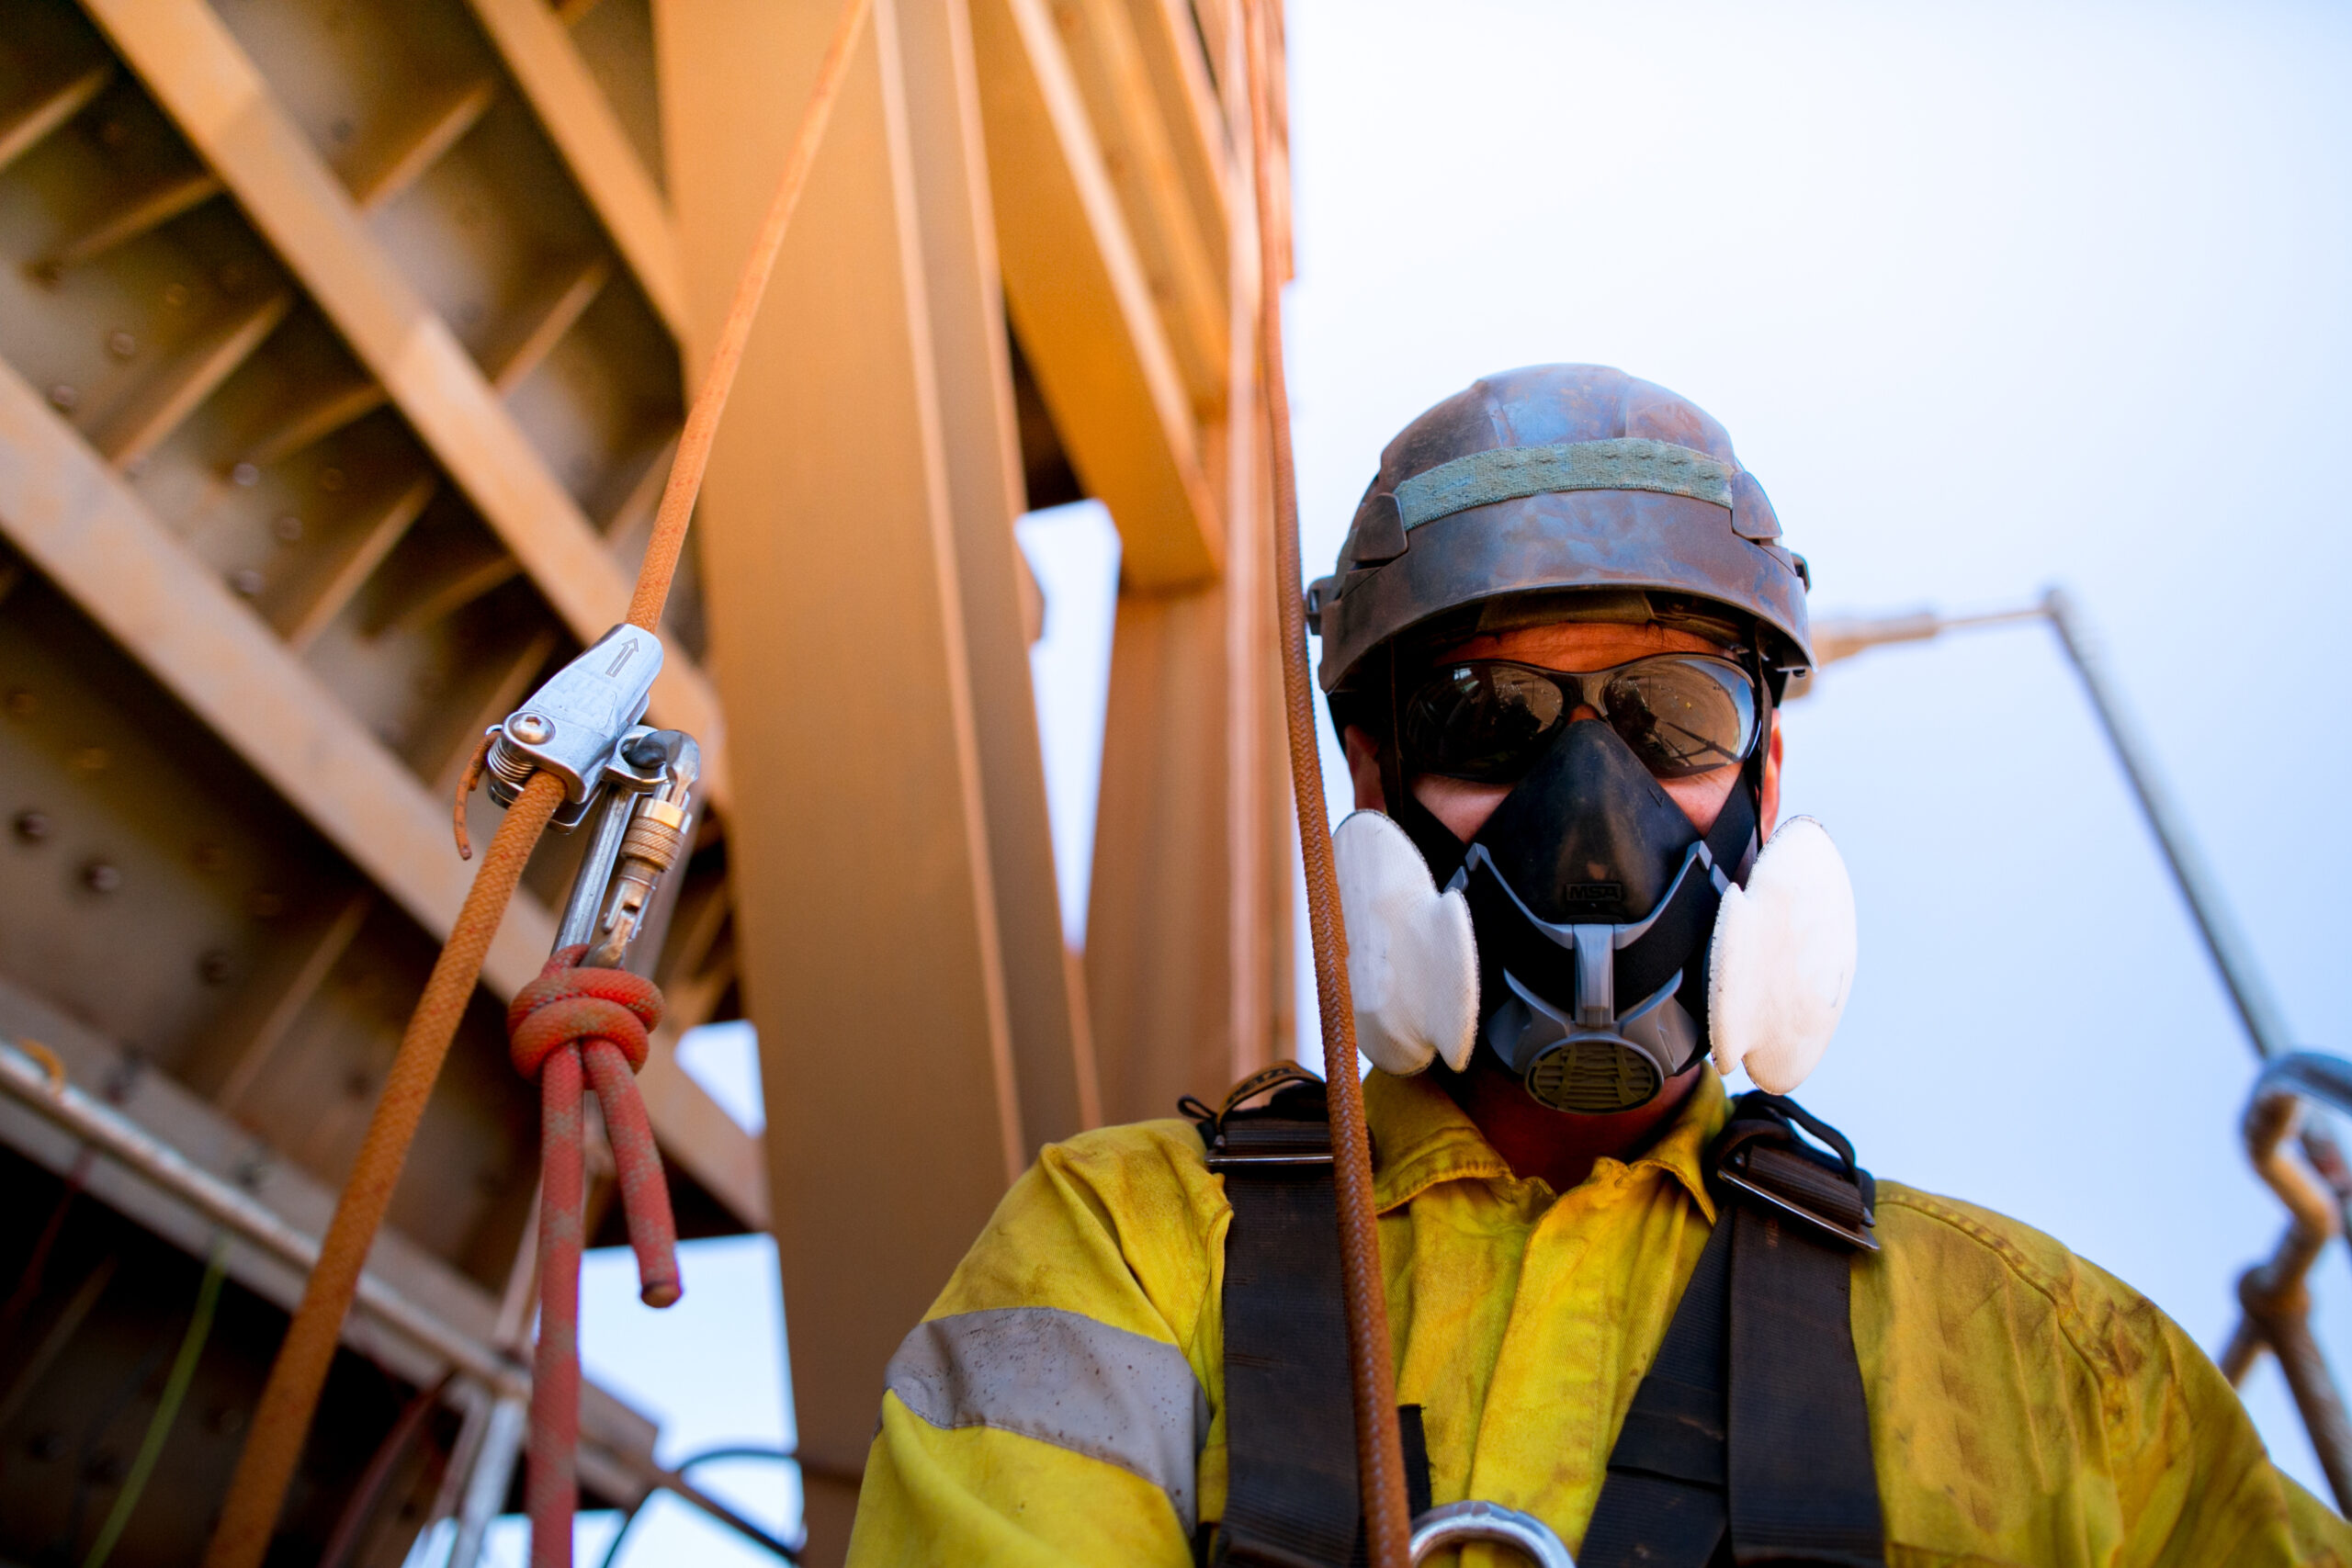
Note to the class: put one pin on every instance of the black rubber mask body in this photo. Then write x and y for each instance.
(1593, 898)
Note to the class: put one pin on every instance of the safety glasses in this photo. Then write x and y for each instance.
(1486, 721)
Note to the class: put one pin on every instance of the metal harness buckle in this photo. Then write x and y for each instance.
(1762, 1156)
(1262, 1142)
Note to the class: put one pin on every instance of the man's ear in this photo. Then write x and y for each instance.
(1364, 768)
(1768, 807)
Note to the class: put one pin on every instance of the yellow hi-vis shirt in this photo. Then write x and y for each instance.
(1062, 1404)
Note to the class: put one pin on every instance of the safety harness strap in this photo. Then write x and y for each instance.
(1290, 1427)
(1803, 1487)
(1662, 1503)
(1749, 1440)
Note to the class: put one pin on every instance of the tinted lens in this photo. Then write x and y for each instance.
(1683, 715)
(1484, 722)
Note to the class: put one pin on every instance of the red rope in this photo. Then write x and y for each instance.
(568, 1023)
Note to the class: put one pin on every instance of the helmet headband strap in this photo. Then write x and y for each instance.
(1512, 473)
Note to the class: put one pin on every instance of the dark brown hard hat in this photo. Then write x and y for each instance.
(1561, 479)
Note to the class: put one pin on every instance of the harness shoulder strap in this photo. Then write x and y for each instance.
(1749, 1440)
(1290, 1423)
(1290, 1428)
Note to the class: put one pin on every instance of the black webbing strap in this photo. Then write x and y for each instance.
(1289, 1422)
(1749, 1440)
(1663, 1502)
(1291, 1496)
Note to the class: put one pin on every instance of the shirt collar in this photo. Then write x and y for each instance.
(1421, 1137)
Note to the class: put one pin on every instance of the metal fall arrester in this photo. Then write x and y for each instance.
(586, 1017)
(582, 728)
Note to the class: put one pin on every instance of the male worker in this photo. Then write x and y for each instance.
(1673, 1331)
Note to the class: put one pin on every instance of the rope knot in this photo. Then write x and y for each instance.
(568, 1005)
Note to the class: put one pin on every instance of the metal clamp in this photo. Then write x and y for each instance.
(583, 729)
(1455, 1523)
(2275, 1294)
(575, 726)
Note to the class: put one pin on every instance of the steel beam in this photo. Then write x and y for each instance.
(867, 936)
(1081, 297)
(587, 134)
(217, 97)
(91, 535)
(979, 439)
(1189, 928)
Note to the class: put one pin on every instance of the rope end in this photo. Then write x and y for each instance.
(466, 781)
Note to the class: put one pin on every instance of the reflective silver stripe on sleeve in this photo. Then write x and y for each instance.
(1063, 1379)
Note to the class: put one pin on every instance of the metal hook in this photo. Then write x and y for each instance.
(1455, 1523)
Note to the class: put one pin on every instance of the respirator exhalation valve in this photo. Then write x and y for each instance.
(1593, 1075)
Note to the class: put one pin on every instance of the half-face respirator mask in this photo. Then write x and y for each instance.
(1588, 933)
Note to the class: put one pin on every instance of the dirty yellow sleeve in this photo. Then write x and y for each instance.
(1054, 1409)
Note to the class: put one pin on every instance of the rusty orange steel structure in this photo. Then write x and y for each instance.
(347, 353)
(283, 1417)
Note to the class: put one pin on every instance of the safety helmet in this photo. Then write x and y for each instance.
(1561, 479)
(1577, 950)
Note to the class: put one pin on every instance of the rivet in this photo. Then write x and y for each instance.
(209, 857)
(288, 527)
(245, 474)
(91, 758)
(330, 479)
(263, 906)
(175, 295)
(121, 345)
(100, 876)
(246, 582)
(33, 826)
(23, 702)
(62, 397)
(212, 968)
(530, 728)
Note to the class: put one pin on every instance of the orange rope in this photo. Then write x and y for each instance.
(702, 421)
(1380, 1458)
(282, 1420)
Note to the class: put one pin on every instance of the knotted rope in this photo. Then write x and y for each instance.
(568, 1020)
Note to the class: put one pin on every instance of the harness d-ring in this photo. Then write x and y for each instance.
(1458, 1522)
